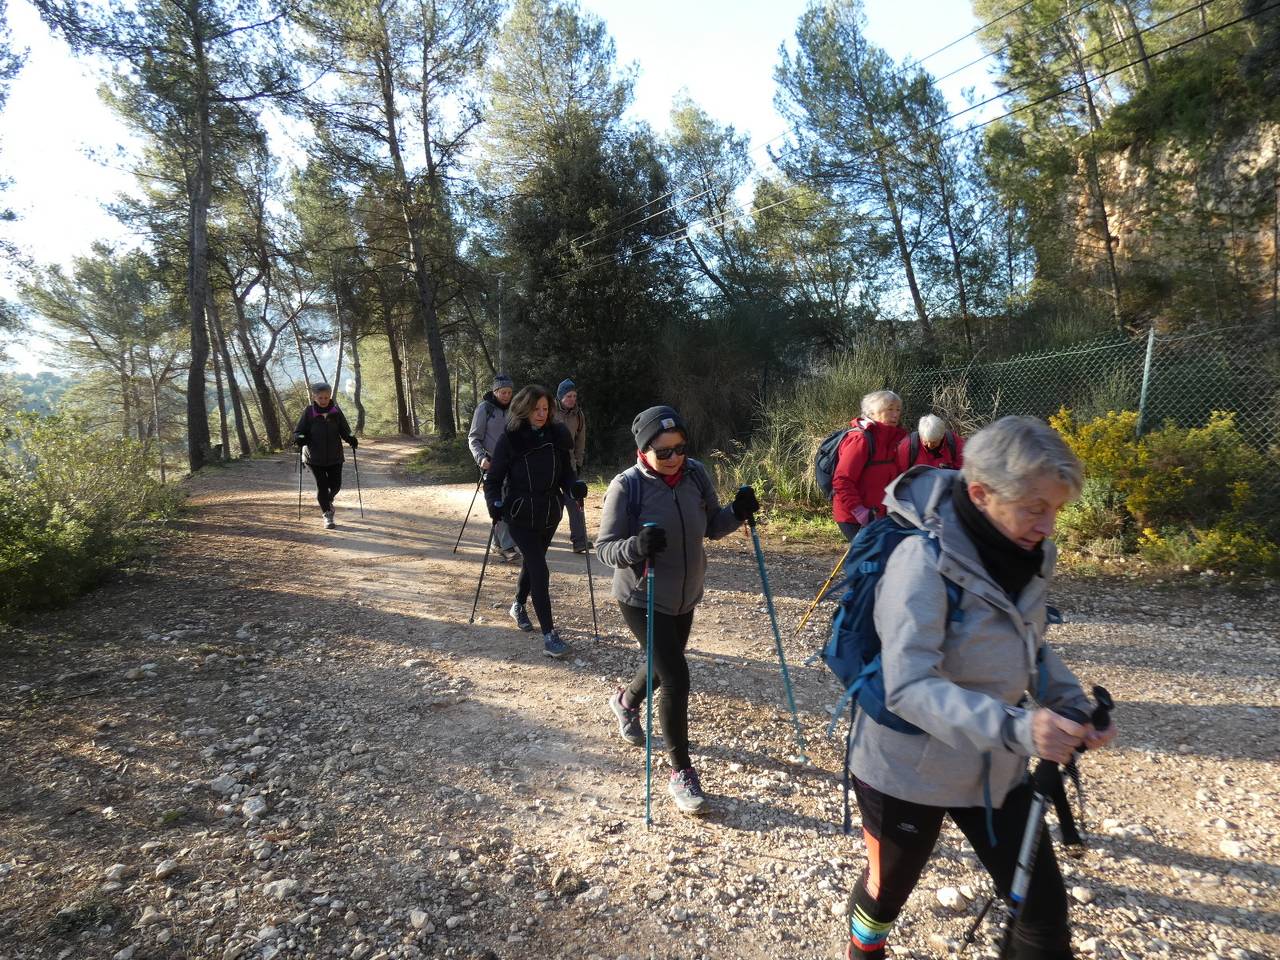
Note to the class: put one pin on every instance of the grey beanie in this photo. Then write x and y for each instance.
(566, 386)
(649, 423)
(501, 380)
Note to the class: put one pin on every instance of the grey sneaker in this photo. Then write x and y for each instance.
(521, 618)
(686, 791)
(553, 646)
(629, 727)
(328, 519)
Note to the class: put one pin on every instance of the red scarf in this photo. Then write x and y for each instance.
(670, 479)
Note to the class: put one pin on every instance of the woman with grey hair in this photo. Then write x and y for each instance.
(968, 666)
(866, 462)
(931, 444)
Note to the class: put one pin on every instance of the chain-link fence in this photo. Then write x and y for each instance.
(1179, 377)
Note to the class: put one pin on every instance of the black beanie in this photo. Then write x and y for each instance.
(649, 423)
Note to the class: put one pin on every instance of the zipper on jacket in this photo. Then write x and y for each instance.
(684, 549)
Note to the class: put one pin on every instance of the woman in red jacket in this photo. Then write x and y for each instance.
(867, 461)
(932, 445)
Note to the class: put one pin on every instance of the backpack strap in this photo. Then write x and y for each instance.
(635, 495)
(913, 448)
(950, 438)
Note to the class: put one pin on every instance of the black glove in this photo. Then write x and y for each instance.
(745, 503)
(652, 541)
(353, 441)
(299, 439)
(578, 490)
(495, 510)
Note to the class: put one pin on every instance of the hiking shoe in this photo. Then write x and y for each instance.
(582, 547)
(686, 791)
(510, 554)
(328, 520)
(629, 727)
(553, 646)
(521, 618)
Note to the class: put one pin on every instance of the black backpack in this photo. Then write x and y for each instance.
(913, 448)
(825, 460)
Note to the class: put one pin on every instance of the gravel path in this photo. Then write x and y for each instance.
(277, 741)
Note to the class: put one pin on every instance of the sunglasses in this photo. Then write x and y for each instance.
(666, 453)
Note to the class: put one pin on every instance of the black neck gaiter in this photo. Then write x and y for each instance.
(1009, 565)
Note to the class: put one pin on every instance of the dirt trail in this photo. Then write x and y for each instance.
(278, 740)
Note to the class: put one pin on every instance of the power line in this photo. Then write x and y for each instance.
(910, 66)
(715, 183)
(724, 221)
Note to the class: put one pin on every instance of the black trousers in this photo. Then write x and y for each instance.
(900, 837)
(535, 575)
(670, 676)
(328, 483)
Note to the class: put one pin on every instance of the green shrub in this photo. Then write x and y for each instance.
(778, 461)
(1097, 521)
(1228, 547)
(1170, 476)
(443, 461)
(73, 506)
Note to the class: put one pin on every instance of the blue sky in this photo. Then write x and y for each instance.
(60, 147)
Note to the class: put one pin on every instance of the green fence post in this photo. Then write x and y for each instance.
(1146, 378)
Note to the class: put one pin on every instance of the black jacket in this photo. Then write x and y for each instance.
(530, 473)
(324, 431)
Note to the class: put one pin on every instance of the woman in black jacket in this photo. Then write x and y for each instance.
(531, 473)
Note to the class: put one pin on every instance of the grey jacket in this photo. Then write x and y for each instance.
(688, 517)
(959, 682)
(487, 425)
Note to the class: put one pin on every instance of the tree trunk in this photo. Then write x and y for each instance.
(424, 304)
(302, 357)
(257, 370)
(956, 264)
(1095, 183)
(403, 420)
(355, 374)
(342, 332)
(222, 408)
(155, 412)
(233, 387)
(199, 193)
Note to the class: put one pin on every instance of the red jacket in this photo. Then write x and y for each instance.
(928, 458)
(861, 473)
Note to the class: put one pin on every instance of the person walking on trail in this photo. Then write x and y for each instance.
(931, 444)
(963, 670)
(866, 462)
(319, 434)
(569, 413)
(487, 426)
(663, 508)
(529, 478)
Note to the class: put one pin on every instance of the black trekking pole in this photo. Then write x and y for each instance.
(469, 509)
(1042, 790)
(359, 496)
(299, 483)
(474, 603)
(595, 624)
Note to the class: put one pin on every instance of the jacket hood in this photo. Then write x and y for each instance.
(914, 496)
(490, 397)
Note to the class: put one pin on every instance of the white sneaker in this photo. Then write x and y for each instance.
(328, 519)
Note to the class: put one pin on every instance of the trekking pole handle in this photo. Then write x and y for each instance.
(751, 517)
(1103, 705)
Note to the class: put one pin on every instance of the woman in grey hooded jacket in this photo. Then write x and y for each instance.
(967, 678)
(661, 510)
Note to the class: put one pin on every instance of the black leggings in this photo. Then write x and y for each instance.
(670, 674)
(328, 483)
(900, 837)
(535, 575)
